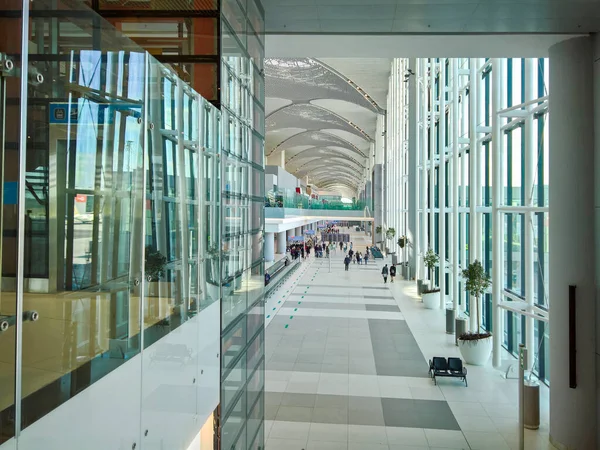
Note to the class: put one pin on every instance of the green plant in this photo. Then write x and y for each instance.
(378, 229)
(477, 282)
(430, 259)
(155, 263)
(430, 291)
(390, 233)
(402, 241)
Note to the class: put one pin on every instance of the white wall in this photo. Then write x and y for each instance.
(171, 400)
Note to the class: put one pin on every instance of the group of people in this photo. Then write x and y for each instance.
(297, 251)
(391, 271)
(355, 257)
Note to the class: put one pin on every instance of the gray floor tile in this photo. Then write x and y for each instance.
(280, 366)
(332, 401)
(365, 417)
(294, 414)
(271, 412)
(304, 400)
(365, 403)
(313, 358)
(304, 367)
(283, 358)
(330, 415)
(273, 398)
(430, 414)
(386, 308)
(361, 369)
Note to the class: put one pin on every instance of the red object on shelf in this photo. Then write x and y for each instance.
(297, 190)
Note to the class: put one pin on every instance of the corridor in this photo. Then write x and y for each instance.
(346, 369)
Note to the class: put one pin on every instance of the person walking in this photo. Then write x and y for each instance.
(384, 272)
(359, 258)
(346, 262)
(392, 273)
(366, 258)
(341, 246)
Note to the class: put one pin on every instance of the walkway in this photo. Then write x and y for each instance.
(346, 370)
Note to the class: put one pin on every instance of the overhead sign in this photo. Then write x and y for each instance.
(310, 232)
(296, 239)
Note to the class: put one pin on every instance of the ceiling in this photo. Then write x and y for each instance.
(432, 16)
(322, 114)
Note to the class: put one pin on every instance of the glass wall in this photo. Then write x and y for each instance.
(466, 147)
(242, 317)
(111, 211)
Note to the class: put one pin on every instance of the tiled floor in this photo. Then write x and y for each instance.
(346, 369)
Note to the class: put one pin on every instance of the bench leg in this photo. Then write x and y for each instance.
(466, 384)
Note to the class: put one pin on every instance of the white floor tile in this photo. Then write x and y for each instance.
(406, 436)
(288, 444)
(325, 445)
(481, 440)
(289, 430)
(328, 432)
(446, 438)
(475, 423)
(367, 434)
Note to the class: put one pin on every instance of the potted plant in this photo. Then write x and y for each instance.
(475, 347)
(431, 295)
(154, 268)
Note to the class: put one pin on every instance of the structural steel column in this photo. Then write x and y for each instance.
(497, 193)
(573, 411)
(473, 164)
(455, 173)
(423, 154)
(282, 159)
(432, 66)
(442, 181)
(413, 167)
(531, 154)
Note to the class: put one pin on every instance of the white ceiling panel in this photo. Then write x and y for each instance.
(357, 16)
(273, 104)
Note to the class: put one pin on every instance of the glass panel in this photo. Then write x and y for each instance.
(10, 100)
(83, 165)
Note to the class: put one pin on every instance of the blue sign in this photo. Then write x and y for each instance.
(10, 192)
(89, 112)
(296, 239)
(310, 232)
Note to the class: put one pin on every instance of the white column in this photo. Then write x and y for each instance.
(432, 108)
(442, 182)
(423, 149)
(269, 247)
(455, 179)
(473, 164)
(282, 160)
(463, 217)
(530, 152)
(573, 412)
(281, 243)
(497, 194)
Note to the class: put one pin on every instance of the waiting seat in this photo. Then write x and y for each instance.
(453, 367)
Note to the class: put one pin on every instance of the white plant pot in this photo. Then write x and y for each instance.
(476, 353)
(431, 301)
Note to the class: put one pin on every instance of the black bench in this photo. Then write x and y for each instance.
(453, 367)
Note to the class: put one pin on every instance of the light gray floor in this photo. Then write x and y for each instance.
(313, 360)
